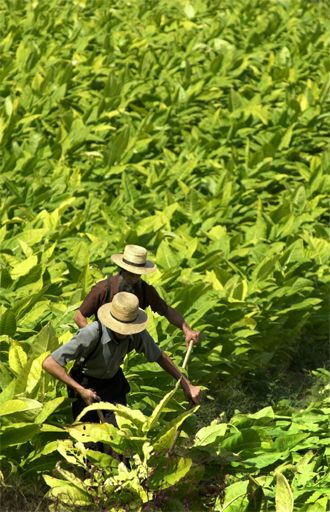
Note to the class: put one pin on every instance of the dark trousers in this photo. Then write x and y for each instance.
(112, 390)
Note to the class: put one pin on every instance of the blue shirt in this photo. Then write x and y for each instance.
(109, 354)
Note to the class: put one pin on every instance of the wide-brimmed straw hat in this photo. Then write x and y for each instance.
(123, 314)
(134, 259)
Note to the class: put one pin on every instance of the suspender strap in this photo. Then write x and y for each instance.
(108, 294)
(92, 352)
(114, 286)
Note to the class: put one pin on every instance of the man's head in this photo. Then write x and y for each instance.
(130, 278)
(123, 315)
(133, 263)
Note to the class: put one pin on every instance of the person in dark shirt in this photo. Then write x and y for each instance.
(133, 263)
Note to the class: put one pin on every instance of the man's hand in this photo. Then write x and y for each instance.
(80, 319)
(191, 335)
(89, 396)
(193, 394)
(175, 318)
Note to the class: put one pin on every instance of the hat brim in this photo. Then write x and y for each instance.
(105, 317)
(146, 269)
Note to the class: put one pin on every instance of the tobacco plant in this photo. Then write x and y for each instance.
(198, 129)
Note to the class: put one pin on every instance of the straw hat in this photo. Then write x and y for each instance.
(134, 260)
(123, 314)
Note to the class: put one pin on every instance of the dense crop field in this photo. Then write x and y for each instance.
(198, 129)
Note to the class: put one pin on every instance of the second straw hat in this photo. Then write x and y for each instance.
(134, 259)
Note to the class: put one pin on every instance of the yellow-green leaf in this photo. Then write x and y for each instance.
(24, 267)
(17, 358)
(283, 494)
(18, 405)
(49, 408)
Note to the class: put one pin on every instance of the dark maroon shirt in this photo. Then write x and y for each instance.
(147, 295)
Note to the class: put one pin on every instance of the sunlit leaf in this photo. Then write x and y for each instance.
(174, 473)
(210, 434)
(48, 409)
(17, 434)
(17, 358)
(22, 268)
(283, 498)
(8, 323)
(19, 405)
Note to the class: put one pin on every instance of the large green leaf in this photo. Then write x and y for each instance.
(204, 138)
(9, 392)
(24, 267)
(170, 473)
(66, 492)
(48, 409)
(6, 376)
(235, 497)
(210, 434)
(283, 498)
(17, 358)
(17, 434)
(19, 405)
(123, 413)
(8, 323)
(152, 421)
(90, 432)
(266, 459)
(45, 340)
(165, 442)
(35, 373)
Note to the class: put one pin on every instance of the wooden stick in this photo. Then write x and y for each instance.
(101, 416)
(184, 364)
(187, 356)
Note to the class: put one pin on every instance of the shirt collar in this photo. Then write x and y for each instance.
(106, 335)
(111, 337)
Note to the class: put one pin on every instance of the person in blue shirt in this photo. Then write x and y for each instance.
(99, 350)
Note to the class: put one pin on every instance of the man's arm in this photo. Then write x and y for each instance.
(91, 303)
(192, 393)
(158, 305)
(56, 370)
(175, 318)
(80, 319)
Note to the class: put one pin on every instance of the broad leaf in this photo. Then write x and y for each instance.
(283, 497)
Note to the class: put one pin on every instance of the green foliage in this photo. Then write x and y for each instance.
(274, 458)
(200, 130)
(142, 441)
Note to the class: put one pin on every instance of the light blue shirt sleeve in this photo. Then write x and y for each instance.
(79, 346)
(144, 343)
